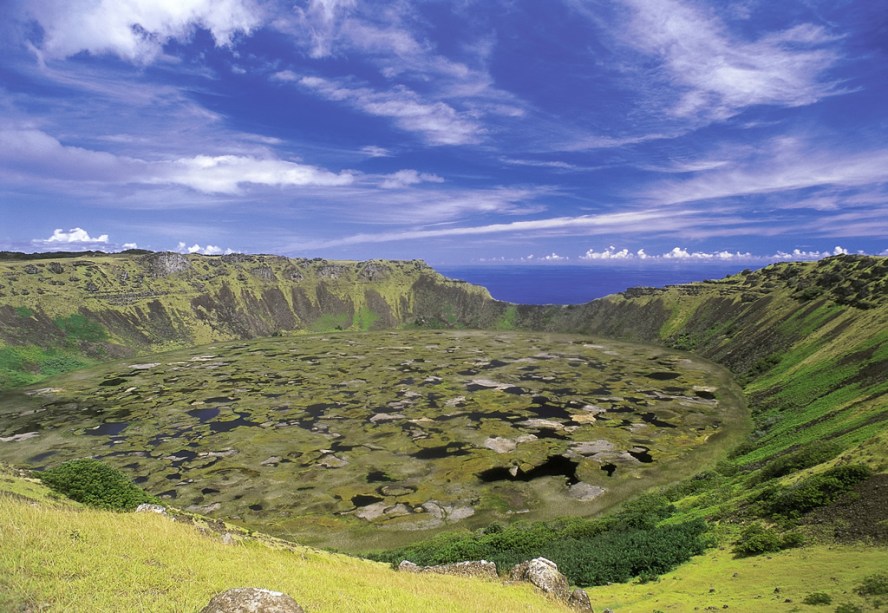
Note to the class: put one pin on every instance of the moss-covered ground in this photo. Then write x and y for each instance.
(369, 440)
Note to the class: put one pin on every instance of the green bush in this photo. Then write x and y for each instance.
(757, 539)
(812, 455)
(78, 328)
(814, 492)
(589, 552)
(848, 608)
(95, 484)
(817, 598)
(874, 585)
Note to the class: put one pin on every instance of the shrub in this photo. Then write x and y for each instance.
(874, 585)
(95, 484)
(818, 598)
(847, 607)
(817, 491)
(812, 455)
(757, 539)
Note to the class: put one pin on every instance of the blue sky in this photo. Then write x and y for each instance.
(460, 131)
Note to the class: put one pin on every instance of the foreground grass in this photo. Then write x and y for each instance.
(777, 582)
(65, 558)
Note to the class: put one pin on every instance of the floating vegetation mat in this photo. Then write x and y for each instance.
(351, 439)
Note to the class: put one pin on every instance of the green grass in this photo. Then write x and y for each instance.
(82, 560)
(752, 585)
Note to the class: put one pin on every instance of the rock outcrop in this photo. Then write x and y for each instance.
(252, 600)
(544, 574)
(473, 568)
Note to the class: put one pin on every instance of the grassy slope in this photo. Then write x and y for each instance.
(59, 556)
(777, 582)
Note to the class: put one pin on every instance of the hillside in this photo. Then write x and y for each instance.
(63, 312)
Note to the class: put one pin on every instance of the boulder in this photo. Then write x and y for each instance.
(579, 600)
(407, 566)
(543, 574)
(251, 600)
(151, 508)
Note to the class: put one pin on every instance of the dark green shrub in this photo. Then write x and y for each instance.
(95, 484)
(817, 598)
(874, 585)
(812, 493)
(806, 457)
(848, 608)
(756, 539)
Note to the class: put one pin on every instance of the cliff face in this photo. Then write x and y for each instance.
(142, 302)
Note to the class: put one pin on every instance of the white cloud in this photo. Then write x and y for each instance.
(405, 178)
(376, 152)
(130, 246)
(717, 73)
(33, 153)
(437, 122)
(183, 247)
(74, 235)
(611, 253)
(781, 164)
(226, 174)
(136, 30)
(652, 220)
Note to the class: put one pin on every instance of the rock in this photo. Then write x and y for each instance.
(56, 268)
(151, 508)
(371, 511)
(579, 600)
(31, 269)
(500, 444)
(584, 492)
(228, 538)
(409, 567)
(544, 574)
(165, 264)
(251, 600)
(474, 568)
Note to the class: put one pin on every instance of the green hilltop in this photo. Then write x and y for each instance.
(807, 341)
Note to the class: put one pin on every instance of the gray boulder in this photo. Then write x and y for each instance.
(579, 600)
(251, 600)
(544, 574)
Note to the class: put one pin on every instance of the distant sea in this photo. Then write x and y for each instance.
(565, 284)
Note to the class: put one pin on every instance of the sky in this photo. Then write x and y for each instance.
(457, 131)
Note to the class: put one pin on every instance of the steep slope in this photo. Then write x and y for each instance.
(809, 341)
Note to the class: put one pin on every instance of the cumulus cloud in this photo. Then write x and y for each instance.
(405, 178)
(183, 247)
(136, 30)
(72, 236)
(552, 257)
(611, 253)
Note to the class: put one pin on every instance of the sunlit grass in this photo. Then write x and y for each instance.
(68, 559)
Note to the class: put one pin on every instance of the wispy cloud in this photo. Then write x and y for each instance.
(436, 122)
(28, 153)
(584, 224)
(405, 178)
(718, 73)
(781, 164)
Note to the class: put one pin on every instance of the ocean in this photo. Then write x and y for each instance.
(567, 284)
